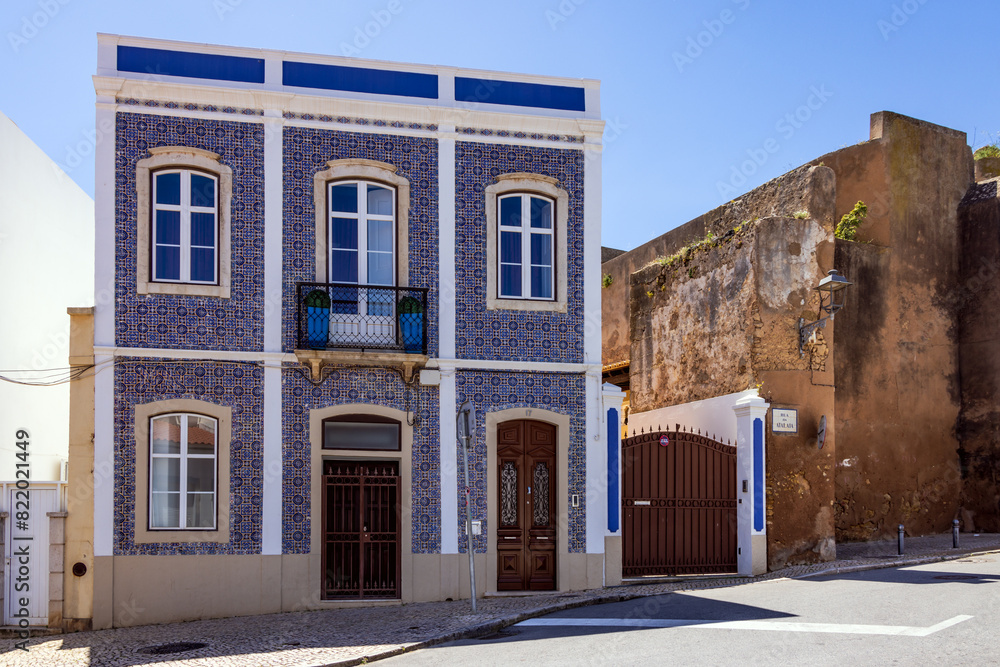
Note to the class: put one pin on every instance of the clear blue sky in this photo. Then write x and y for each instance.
(691, 90)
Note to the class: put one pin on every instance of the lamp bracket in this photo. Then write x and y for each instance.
(808, 329)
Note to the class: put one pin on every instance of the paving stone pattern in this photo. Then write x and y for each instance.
(347, 636)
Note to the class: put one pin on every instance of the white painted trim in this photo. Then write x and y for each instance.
(372, 129)
(270, 524)
(303, 100)
(449, 464)
(287, 357)
(597, 465)
(195, 355)
(273, 220)
(446, 246)
(104, 227)
(104, 459)
(612, 398)
(592, 255)
(513, 366)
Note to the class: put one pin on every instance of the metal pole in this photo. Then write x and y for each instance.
(954, 534)
(900, 539)
(468, 525)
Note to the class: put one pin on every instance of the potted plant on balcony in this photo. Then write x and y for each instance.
(317, 304)
(411, 324)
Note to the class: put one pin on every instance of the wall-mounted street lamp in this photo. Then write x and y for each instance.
(831, 300)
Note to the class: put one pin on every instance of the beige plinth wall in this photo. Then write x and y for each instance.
(78, 591)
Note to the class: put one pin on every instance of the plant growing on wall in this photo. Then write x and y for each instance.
(847, 228)
(607, 279)
(989, 150)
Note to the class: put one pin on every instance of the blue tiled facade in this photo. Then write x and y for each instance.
(215, 349)
(187, 322)
(306, 152)
(375, 386)
(236, 385)
(514, 335)
(491, 391)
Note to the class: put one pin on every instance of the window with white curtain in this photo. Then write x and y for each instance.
(182, 471)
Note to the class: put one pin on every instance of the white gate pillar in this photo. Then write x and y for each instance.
(613, 397)
(751, 491)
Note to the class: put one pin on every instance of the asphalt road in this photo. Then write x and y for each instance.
(939, 614)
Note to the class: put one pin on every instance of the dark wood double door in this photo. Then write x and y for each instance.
(526, 485)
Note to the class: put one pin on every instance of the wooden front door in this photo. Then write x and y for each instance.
(526, 481)
(361, 529)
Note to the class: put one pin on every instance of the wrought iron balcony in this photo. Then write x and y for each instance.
(344, 316)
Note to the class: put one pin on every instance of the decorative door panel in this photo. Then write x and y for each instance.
(361, 536)
(526, 535)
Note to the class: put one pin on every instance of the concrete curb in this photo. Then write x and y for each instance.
(499, 624)
(901, 561)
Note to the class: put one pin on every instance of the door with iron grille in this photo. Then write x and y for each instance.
(679, 497)
(361, 529)
(526, 481)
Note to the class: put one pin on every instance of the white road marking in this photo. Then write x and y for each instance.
(773, 626)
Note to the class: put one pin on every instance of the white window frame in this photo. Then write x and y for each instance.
(361, 218)
(184, 456)
(197, 159)
(544, 187)
(186, 209)
(527, 231)
(380, 173)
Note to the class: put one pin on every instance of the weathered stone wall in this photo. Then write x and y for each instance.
(803, 189)
(912, 435)
(979, 356)
(723, 317)
(897, 399)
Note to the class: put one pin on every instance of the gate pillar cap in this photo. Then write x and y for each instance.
(749, 402)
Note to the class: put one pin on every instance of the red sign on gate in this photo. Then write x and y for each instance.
(664, 441)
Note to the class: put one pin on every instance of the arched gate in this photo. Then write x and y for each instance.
(679, 497)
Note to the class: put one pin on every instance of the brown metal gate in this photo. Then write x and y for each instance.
(361, 529)
(679, 496)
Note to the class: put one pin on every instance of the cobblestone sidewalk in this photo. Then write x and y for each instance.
(348, 636)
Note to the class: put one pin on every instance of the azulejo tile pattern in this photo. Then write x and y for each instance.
(306, 152)
(154, 104)
(191, 322)
(508, 334)
(490, 391)
(354, 120)
(237, 385)
(361, 386)
(487, 132)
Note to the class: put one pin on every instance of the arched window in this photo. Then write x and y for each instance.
(526, 238)
(183, 216)
(182, 472)
(362, 223)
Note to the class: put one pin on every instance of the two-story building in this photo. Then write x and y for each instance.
(305, 264)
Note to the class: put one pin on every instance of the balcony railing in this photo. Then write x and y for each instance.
(362, 317)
